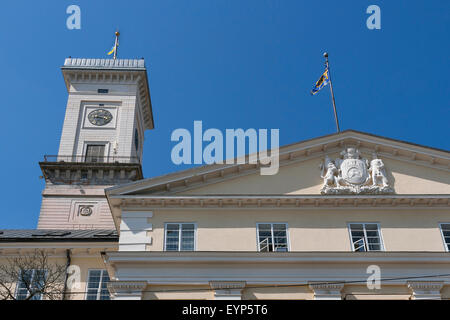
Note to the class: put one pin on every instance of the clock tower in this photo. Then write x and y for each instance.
(108, 110)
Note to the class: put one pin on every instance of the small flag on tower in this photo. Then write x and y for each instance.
(116, 44)
(322, 82)
(112, 50)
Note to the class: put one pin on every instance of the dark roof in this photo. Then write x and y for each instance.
(57, 235)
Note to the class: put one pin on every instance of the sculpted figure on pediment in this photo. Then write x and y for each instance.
(352, 174)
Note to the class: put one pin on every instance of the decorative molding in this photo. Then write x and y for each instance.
(85, 210)
(281, 201)
(126, 290)
(325, 286)
(227, 284)
(326, 290)
(127, 286)
(94, 172)
(426, 290)
(227, 290)
(425, 285)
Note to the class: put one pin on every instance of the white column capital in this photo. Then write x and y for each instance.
(127, 290)
(326, 290)
(227, 290)
(422, 290)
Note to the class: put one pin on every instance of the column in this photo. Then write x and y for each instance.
(425, 290)
(227, 290)
(326, 291)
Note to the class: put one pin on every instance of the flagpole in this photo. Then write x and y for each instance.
(116, 44)
(331, 89)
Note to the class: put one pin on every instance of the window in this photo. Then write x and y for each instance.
(33, 279)
(97, 285)
(180, 237)
(136, 139)
(102, 90)
(445, 230)
(272, 237)
(365, 237)
(95, 153)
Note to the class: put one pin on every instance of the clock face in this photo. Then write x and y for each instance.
(100, 117)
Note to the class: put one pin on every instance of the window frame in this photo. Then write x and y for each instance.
(179, 236)
(288, 242)
(104, 158)
(32, 276)
(382, 247)
(99, 289)
(446, 247)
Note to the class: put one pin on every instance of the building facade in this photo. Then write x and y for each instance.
(343, 209)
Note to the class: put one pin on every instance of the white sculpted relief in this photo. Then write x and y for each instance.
(352, 174)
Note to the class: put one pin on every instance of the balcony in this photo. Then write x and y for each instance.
(92, 170)
(91, 159)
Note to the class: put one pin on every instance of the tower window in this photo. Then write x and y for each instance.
(136, 140)
(102, 90)
(95, 153)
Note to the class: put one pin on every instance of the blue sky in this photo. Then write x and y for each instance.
(232, 64)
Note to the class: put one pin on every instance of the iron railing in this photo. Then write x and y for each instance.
(90, 159)
(265, 245)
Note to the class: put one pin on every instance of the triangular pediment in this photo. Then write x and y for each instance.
(409, 169)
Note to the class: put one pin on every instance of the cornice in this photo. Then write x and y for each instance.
(280, 201)
(121, 71)
(291, 154)
(240, 257)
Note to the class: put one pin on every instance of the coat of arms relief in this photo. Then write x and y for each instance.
(352, 174)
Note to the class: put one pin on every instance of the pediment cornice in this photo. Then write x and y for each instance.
(186, 180)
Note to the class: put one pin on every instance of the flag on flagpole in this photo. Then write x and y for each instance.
(113, 49)
(322, 82)
(116, 44)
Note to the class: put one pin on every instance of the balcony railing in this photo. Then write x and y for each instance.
(90, 159)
